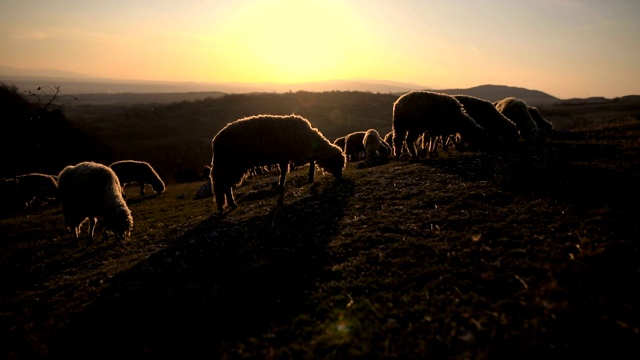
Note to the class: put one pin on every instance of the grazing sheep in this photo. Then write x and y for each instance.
(498, 127)
(91, 190)
(518, 111)
(545, 126)
(36, 186)
(354, 146)
(438, 114)
(137, 172)
(264, 140)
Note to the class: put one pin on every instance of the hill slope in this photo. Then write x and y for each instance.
(525, 253)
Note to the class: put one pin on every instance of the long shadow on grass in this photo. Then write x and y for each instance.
(225, 281)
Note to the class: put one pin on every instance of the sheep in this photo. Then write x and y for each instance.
(499, 128)
(438, 114)
(91, 190)
(374, 145)
(35, 186)
(137, 172)
(545, 126)
(518, 111)
(267, 139)
(353, 145)
(376, 149)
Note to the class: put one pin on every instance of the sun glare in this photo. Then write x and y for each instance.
(294, 41)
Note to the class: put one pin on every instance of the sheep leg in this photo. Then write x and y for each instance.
(92, 227)
(398, 141)
(412, 136)
(433, 147)
(76, 235)
(284, 167)
(312, 170)
(230, 200)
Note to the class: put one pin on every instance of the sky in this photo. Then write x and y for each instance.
(567, 48)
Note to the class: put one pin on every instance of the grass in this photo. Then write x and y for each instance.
(526, 253)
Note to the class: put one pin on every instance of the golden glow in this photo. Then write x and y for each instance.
(294, 41)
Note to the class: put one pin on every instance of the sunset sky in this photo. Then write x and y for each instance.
(567, 48)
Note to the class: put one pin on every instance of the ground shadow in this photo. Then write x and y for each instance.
(222, 282)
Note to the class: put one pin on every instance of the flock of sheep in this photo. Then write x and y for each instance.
(87, 191)
(421, 121)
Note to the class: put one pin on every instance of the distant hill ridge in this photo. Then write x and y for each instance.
(499, 92)
(115, 91)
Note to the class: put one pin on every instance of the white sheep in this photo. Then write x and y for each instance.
(437, 114)
(137, 172)
(264, 140)
(518, 111)
(92, 191)
(499, 128)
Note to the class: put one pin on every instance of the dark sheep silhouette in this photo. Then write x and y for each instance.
(137, 172)
(264, 140)
(437, 114)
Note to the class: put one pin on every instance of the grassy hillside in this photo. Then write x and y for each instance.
(528, 253)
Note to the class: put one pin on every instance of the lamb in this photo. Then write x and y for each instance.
(353, 145)
(374, 145)
(518, 111)
(264, 140)
(36, 186)
(137, 172)
(376, 149)
(499, 128)
(438, 114)
(91, 190)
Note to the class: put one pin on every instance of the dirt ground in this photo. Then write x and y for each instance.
(523, 253)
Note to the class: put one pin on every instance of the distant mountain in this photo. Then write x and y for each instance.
(499, 92)
(73, 84)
